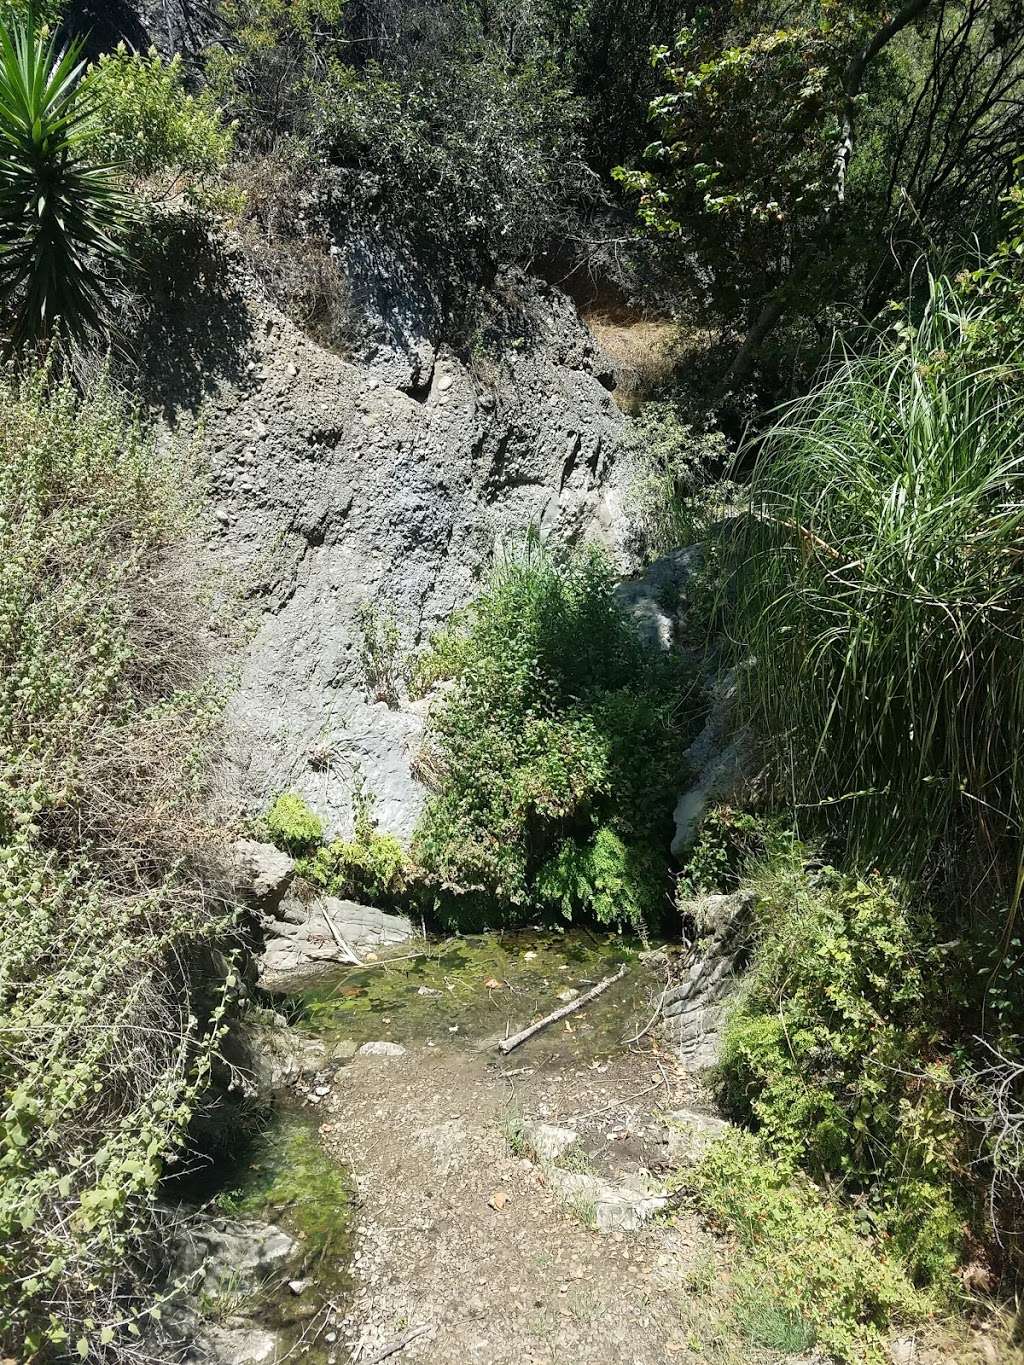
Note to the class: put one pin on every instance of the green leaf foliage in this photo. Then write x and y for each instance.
(63, 222)
(150, 125)
(555, 754)
(804, 1274)
(110, 1006)
(292, 825)
(835, 1053)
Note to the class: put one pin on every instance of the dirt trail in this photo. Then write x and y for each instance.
(457, 1231)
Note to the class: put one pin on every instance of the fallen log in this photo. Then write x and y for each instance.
(509, 1044)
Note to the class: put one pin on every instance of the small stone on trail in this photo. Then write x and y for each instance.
(299, 1286)
(549, 1142)
(498, 1200)
(567, 995)
(322, 1090)
(382, 1049)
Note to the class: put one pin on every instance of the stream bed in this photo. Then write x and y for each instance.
(464, 993)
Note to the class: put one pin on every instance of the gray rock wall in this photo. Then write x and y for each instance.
(330, 487)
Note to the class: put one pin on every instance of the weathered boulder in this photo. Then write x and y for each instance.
(613, 1208)
(238, 1345)
(222, 1254)
(308, 934)
(261, 874)
(548, 1142)
(279, 1057)
(382, 1049)
(656, 598)
(694, 1011)
(689, 1135)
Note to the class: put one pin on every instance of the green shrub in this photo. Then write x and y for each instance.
(369, 867)
(673, 465)
(487, 174)
(804, 1273)
(726, 840)
(292, 825)
(555, 756)
(150, 126)
(109, 993)
(875, 582)
(832, 1053)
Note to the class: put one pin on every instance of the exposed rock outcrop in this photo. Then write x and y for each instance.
(310, 934)
(656, 598)
(694, 1011)
(719, 758)
(332, 488)
(260, 875)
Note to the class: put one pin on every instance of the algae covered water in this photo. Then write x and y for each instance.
(476, 990)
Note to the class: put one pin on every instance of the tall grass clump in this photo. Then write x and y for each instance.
(555, 752)
(111, 986)
(878, 581)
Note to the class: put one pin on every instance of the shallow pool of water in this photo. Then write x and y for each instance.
(476, 990)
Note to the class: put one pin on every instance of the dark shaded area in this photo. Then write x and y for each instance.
(169, 25)
(196, 330)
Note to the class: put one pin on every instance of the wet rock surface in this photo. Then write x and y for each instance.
(314, 933)
(233, 1254)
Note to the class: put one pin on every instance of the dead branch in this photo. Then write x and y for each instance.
(508, 1044)
(399, 1344)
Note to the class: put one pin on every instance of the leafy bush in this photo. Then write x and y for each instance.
(492, 173)
(108, 993)
(63, 222)
(267, 61)
(370, 867)
(555, 756)
(834, 1053)
(726, 840)
(484, 175)
(673, 465)
(875, 581)
(829, 1284)
(292, 825)
(148, 124)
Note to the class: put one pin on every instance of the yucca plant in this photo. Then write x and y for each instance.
(879, 581)
(63, 220)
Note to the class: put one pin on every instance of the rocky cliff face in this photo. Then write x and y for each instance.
(331, 488)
